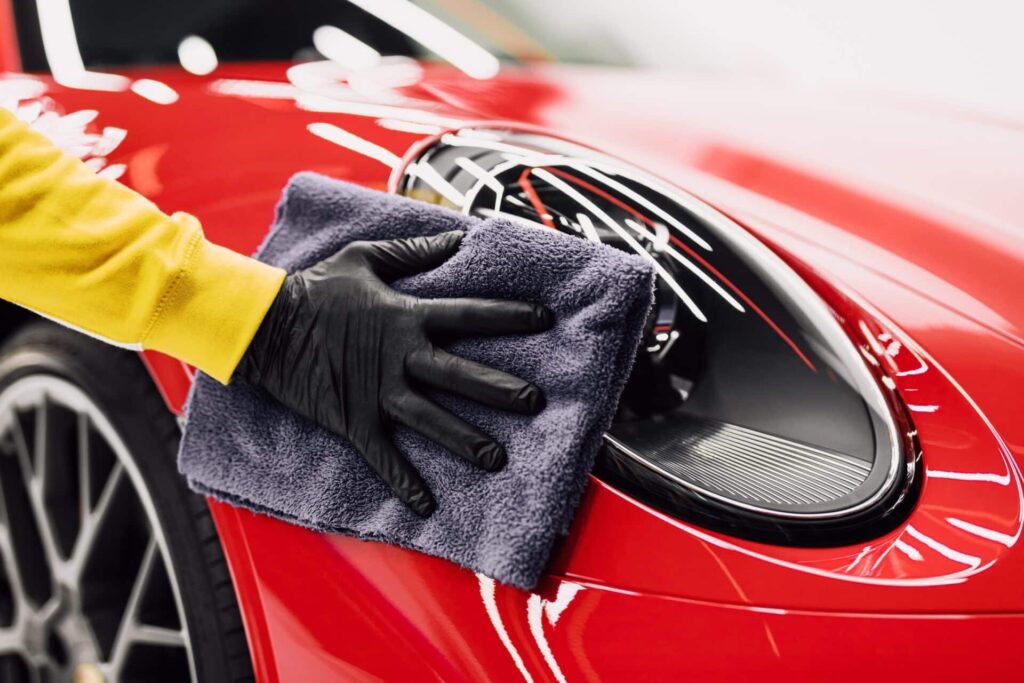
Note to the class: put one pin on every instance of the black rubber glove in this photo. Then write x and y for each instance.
(342, 348)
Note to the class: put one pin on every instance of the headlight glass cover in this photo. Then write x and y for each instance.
(749, 407)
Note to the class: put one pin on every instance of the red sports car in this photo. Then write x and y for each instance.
(814, 469)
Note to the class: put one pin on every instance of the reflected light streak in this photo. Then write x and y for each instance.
(566, 594)
(692, 267)
(431, 177)
(268, 90)
(944, 550)
(987, 477)
(14, 90)
(534, 614)
(433, 34)
(860, 556)
(587, 226)
(112, 172)
(322, 103)
(60, 44)
(197, 56)
(344, 49)
(487, 593)
(570, 191)
(313, 75)
(410, 127)
(155, 91)
(642, 201)
(983, 532)
(478, 172)
(352, 142)
(909, 550)
(392, 73)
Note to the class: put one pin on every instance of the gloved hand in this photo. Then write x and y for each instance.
(342, 348)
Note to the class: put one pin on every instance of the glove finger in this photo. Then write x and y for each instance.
(394, 259)
(395, 470)
(458, 436)
(464, 317)
(442, 370)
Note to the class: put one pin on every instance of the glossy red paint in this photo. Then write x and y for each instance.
(9, 58)
(911, 242)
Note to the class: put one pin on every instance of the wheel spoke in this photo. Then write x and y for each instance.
(24, 522)
(94, 520)
(23, 453)
(158, 635)
(10, 641)
(84, 483)
(42, 438)
(10, 566)
(129, 628)
(33, 484)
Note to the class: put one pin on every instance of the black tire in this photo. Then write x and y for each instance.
(116, 381)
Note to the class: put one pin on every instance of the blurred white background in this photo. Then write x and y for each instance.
(968, 54)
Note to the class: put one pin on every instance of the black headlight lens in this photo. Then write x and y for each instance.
(749, 407)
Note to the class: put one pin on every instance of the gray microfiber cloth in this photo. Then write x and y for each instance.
(242, 447)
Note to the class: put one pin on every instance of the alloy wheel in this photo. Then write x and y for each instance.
(87, 589)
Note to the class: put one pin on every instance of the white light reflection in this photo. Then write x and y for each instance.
(478, 172)
(987, 477)
(569, 191)
(860, 556)
(587, 226)
(410, 127)
(430, 176)
(642, 201)
(944, 550)
(155, 91)
(14, 90)
(268, 90)
(353, 142)
(566, 594)
(320, 103)
(318, 74)
(487, 593)
(692, 267)
(983, 532)
(197, 56)
(909, 550)
(112, 172)
(435, 35)
(534, 614)
(60, 44)
(381, 81)
(344, 49)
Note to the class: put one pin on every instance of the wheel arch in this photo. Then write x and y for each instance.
(13, 318)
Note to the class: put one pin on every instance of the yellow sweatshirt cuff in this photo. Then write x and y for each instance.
(212, 309)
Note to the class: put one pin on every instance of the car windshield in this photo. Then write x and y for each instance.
(945, 50)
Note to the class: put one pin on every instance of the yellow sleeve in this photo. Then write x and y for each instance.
(97, 256)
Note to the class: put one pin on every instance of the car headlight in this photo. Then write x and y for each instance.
(749, 407)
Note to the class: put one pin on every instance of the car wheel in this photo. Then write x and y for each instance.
(110, 568)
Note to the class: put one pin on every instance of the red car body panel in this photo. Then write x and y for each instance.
(905, 218)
